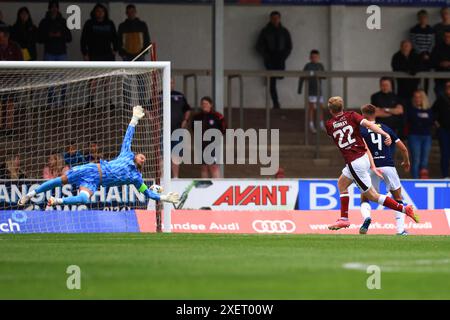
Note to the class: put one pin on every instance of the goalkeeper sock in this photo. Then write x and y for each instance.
(82, 197)
(47, 185)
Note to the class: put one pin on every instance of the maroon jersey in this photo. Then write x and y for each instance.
(344, 129)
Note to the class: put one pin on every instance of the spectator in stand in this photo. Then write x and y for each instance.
(55, 167)
(180, 114)
(440, 58)
(210, 119)
(442, 27)
(422, 37)
(314, 87)
(274, 45)
(389, 106)
(9, 50)
(73, 156)
(25, 33)
(420, 122)
(54, 34)
(94, 154)
(441, 111)
(133, 36)
(11, 168)
(99, 37)
(406, 60)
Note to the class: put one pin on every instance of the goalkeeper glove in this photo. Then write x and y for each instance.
(138, 114)
(171, 197)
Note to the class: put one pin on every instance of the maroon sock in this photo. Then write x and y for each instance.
(392, 204)
(344, 205)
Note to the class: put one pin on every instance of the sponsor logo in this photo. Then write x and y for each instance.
(274, 226)
(9, 226)
(258, 195)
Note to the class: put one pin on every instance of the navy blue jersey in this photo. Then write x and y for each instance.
(382, 154)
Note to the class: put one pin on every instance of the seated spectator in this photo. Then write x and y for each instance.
(314, 87)
(24, 32)
(210, 120)
(422, 37)
(406, 60)
(133, 36)
(440, 59)
(99, 37)
(442, 27)
(54, 34)
(389, 106)
(73, 157)
(94, 154)
(55, 167)
(441, 112)
(11, 168)
(420, 122)
(180, 112)
(9, 50)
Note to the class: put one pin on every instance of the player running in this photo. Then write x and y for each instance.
(382, 157)
(344, 129)
(125, 169)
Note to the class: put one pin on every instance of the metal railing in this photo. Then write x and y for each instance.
(266, 75)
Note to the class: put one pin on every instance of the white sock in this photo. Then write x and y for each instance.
(400, 221)
(31, 194)
(365, 210)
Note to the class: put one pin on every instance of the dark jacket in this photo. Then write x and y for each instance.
(275, 45)
(441, 111)
(54, 44)
(133, 37)
(420, 121)
(26, 35)
(410, 64)
(99, 39)
(12, 52)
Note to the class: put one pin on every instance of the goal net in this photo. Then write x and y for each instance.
(56, 115)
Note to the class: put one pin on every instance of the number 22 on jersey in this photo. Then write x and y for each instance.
(344, 136)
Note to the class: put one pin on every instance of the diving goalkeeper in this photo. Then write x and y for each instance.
(125, 169)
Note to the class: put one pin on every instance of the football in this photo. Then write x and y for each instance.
(156, 188)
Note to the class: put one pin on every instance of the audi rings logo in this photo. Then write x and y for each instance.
(274, 226)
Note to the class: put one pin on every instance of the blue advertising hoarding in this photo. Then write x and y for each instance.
(324, 195)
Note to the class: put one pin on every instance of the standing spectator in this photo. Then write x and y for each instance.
(55, 167)
(442, 27)
(406, 60)
(25, 33)
(133, 36)
(9, 50)
(274, 45)
(180, 112)
(314, 87)
(440, 58)
(441, 111)
(73, 156)
(94, 154)
(422, 36)
(210, 119)
(420, 122)
(389, 106)
(99, 36)
(12, 168)
(54, 34)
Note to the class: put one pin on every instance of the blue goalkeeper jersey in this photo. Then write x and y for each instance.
(122, 170)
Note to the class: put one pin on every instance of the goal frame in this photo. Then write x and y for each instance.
(165, 65)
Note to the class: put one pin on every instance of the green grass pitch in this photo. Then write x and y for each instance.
(193, 266)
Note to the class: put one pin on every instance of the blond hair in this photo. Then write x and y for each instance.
(425, 102)
(13, 170)
(336, 104)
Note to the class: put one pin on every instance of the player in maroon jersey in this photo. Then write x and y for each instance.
(343, 127)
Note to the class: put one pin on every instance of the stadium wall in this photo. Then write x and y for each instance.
(183, 36)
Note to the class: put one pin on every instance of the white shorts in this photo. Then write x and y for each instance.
(359, 171)
(390, 176)
(313, 99)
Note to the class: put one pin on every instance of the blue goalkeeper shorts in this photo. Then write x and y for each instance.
(86, 176)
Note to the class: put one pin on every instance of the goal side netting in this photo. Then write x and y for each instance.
(58, 115)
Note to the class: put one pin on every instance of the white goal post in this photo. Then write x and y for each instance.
(20, 80)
